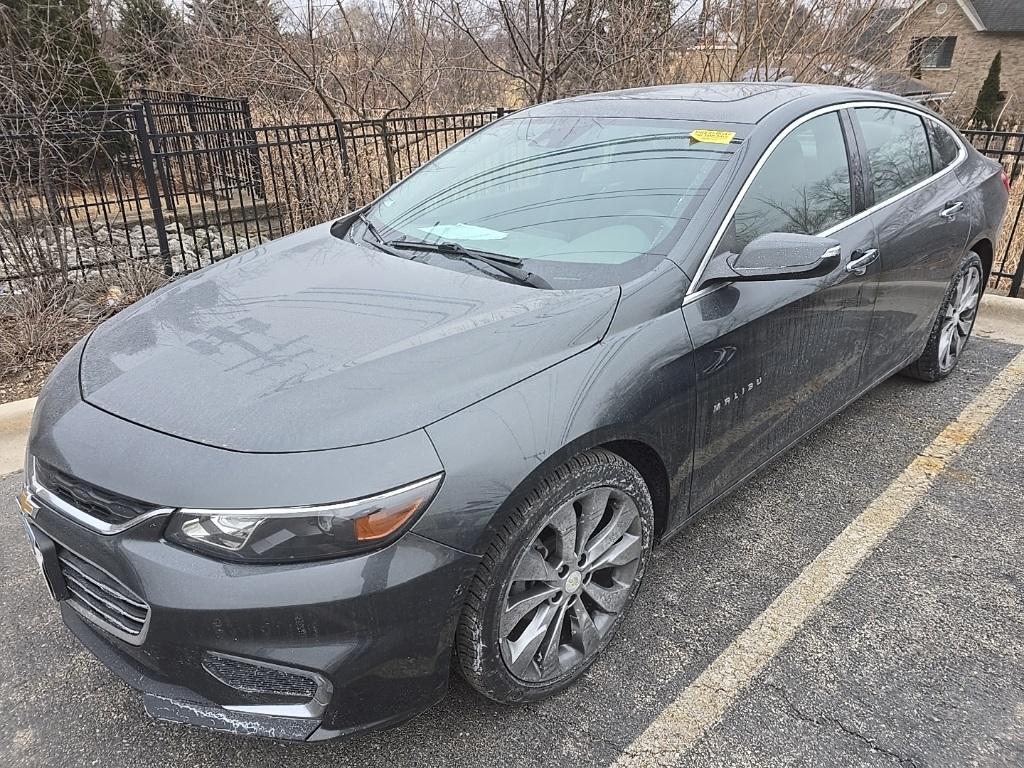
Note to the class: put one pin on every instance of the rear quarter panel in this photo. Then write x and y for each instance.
(987, 197)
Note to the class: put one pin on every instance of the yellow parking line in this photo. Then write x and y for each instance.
(703, 703)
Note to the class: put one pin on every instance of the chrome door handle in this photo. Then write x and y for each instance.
(859, 265)
(952, 209)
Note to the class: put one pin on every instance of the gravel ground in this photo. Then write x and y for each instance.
(919, 660)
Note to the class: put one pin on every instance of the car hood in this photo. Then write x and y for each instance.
(312, 342)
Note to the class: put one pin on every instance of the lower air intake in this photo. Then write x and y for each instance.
(255, 677)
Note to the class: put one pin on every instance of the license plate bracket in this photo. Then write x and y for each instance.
(45, 551)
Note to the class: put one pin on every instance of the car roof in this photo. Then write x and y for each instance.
(739, 103)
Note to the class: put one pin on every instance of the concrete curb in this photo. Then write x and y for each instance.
(16, 415)
(15, 419)
(1003, 306)
(1001, 318)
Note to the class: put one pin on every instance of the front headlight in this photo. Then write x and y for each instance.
(303, 533)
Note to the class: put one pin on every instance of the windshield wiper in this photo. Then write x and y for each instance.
(377, 240)
(510, 266)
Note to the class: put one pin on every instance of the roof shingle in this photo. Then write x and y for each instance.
(1000, 15)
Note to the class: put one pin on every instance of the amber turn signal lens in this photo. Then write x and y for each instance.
(294, 534)
(384, 522)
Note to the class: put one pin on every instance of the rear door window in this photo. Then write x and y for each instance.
(898, 152)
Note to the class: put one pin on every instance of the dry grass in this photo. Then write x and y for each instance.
(37, 326)
(1007, 253)
(129, 281)
(43, 319)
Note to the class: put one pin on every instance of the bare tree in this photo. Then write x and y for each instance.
(54, 85)
(374, 58)
(147, 35)
(535, 43)
(801, 40)
(366, 61)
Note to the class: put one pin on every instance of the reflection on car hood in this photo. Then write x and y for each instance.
(312, 343)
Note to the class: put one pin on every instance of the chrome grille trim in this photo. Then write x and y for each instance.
(77, 585)
(39, 493)
(109, 506)
(102, 599)
(82, 605)
(138, 604)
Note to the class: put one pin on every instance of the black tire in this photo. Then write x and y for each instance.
(583, 481)
(933, 365)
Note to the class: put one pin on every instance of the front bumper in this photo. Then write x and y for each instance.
(377, 628)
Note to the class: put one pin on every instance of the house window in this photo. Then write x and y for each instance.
(931, 53)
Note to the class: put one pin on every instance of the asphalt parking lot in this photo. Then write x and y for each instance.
(916, 658)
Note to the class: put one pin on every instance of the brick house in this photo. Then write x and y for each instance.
(949, 45)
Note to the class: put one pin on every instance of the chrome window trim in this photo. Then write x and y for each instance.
(37, 493)
(693, 295)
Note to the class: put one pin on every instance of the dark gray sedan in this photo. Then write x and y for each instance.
(275, 495)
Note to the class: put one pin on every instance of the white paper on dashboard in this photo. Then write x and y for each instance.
(464, 232)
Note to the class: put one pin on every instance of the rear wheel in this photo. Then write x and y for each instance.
(953, 326)
(556, 581)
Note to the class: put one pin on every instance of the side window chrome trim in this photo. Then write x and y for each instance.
(692, 294)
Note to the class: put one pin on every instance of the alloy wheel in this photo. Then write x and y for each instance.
(570, 584)
(959, 317)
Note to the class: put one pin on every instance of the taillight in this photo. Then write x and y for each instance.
(1006, 181)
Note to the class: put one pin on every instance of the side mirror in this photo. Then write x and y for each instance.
(777, 256)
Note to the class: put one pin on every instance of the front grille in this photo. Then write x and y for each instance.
(96, 502)
(101, 598)
(259, 678)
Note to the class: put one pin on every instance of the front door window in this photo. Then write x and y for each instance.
(803, 187)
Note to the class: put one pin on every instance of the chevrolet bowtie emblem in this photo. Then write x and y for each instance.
(26, 504)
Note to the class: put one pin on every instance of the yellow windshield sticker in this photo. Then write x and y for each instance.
(712, 137)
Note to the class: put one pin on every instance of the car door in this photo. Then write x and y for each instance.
(921, 223)
(776, 357)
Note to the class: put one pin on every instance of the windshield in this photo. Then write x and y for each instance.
(583, 201)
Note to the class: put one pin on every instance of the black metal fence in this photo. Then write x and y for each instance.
(182, 180)
(1007, 147)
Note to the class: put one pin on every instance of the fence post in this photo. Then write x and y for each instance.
(54, 210)
(501, 112)
(163, 168)
(152, 190)
(1018, 277)
(255, 170)
(346, 168)
(388, 152)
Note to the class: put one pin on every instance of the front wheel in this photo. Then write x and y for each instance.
(953, 326)
(557, 579)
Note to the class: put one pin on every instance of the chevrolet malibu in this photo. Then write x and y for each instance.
(286, 494)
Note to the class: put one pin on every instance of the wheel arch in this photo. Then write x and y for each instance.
(652, 468)
(986, 252)
(639, 452)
